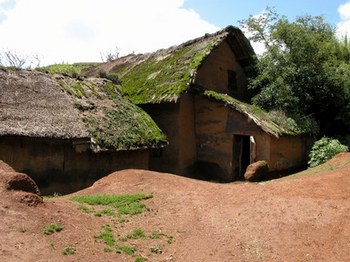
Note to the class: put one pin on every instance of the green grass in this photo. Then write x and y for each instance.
(156, 235)
(72, 70)
(137, 233)
(52, 228)
(163, 77)
(124, 204)
(70, 250)
(86, 209)
(108, 212)
(107, 236)
(128, 250)
(120, 206)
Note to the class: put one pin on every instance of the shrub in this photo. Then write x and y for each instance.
(325, 149)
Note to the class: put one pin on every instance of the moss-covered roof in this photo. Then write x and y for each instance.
(112, 121)
(36, 104)
(166, 74)
(274, 123)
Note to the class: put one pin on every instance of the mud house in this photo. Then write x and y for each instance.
(195, 93)
(66, 133)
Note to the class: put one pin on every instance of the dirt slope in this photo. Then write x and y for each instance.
(301, 218)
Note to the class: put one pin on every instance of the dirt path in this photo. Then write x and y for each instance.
(296, 219)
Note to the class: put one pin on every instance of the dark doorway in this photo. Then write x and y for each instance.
(241, 155)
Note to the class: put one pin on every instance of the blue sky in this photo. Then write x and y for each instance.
(226, 12)
(68, 31)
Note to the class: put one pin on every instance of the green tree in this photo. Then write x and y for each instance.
(305, 70)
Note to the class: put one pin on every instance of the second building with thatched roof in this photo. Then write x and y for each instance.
(195, 92)
(67, 132)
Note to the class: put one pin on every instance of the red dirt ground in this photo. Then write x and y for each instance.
(300, 218)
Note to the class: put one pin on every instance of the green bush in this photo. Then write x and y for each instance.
(325, 149)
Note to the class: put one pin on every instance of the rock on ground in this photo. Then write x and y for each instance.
(256, 171)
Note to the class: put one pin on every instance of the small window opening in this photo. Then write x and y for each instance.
(232, 81)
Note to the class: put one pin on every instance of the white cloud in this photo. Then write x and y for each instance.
(5, 6)
(79, 30)
(343, 27)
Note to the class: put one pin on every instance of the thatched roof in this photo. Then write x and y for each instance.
(36, 104)
(166, 74)
(273, 123)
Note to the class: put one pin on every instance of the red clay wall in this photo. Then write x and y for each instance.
(289, 152)
(187, 143)
(176, 120)
(213, 73)
(59, 166)
(216, 126)
(166, 115)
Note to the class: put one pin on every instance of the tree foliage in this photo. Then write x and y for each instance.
(304, 71)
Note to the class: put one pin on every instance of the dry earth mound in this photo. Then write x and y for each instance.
(304, 217)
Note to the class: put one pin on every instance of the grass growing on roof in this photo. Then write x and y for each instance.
(72, 70)
(125, 127)
(112, 121)
(164, 76)
(271, 122)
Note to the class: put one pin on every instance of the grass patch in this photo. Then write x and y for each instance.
(140, 259)
(70, 250)
(108, 212)
(124, 204)
(107, 236)
(85, 209)
(108, 250)
(156, 234)
(128, 250)
(121, 206)
(52, 228)
(137, 233)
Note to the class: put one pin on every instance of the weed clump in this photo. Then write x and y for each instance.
(52, 228)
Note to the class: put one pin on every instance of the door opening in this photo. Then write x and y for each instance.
(241, 155)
